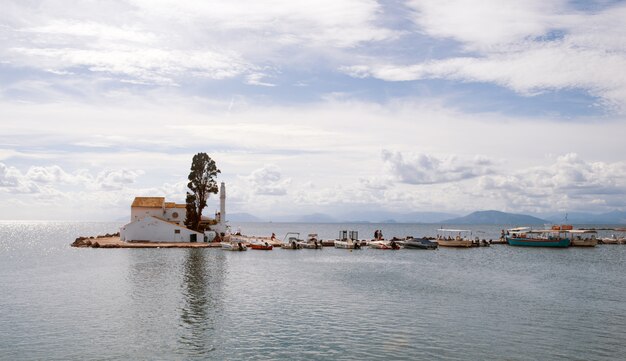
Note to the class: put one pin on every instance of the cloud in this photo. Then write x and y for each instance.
(37, 179)
(116, 179)
(570, 183)
(529, 47)
(430, 169)
(167, 43)
(268, 181)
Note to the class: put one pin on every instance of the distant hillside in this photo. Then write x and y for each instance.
(495, 217)
(242, 217)
(614, 217)
(316, 218)
(377, 216)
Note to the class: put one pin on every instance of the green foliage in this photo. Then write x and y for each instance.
(201, 184)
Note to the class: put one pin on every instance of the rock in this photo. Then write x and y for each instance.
(95, 245)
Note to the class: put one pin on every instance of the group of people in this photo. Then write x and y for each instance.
(378, 235)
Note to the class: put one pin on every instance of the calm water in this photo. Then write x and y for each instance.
(504, 303)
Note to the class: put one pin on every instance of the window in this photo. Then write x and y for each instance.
(177, 231)
(175, 215)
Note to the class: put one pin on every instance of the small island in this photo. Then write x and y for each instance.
(155, 223)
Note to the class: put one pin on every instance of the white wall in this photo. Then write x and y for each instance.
(137, 213)
(155, 230)
(181, 212)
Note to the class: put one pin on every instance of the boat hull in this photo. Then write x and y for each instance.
(420, 245)
(454, 243)
(584, 242)
(261, 247)
(538, 242)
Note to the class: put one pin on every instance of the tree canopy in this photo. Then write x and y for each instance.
(201, 184)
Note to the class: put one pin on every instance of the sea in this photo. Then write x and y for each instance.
(487, 303)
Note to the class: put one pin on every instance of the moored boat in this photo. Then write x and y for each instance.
(554, 237)
(461, 238)
(348, 240)
(312, 242)
(583, 238)
(420, 243)
(233, 246)
(292, 242)
(259, 245)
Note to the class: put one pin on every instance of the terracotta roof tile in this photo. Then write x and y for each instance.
(149, 202)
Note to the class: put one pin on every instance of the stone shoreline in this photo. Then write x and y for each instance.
(114, 241)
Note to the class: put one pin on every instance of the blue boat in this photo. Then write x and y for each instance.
(538, 238)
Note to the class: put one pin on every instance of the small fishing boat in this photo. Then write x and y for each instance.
(420, 243)
(583, 238)
(557, 236)
(447, 239)
(292, 242)
(260, 245)
(383, 244)
(312, 242)
(233, 246)
(348, 240)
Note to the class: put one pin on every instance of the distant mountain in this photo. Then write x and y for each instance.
(613, 217)
(316, 218)
(242, 217)
(495, 217)
(378, 216)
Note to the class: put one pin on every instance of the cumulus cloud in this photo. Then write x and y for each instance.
(169, 42)
(430, 169)
(529, 47)
(569, 183)
(37, 179)
(268, 181)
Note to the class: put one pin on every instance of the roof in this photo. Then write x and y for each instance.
(149, 202)
(174, 205)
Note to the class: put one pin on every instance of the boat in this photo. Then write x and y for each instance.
(292, 242)
(420, 243)
(348, 240)
(260, 245)
(461, 239)
(556, 236)
(312, 242)
(614, 239)
(394, 244)
(583, 238)
(233, 246)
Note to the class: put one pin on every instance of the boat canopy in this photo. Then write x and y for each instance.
(577, 231)
(546, 231)
(453, 230)
(518, 229)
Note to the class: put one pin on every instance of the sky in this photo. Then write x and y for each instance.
(325, 106)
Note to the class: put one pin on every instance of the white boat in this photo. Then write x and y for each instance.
(611, 240)
(382, 244)
(292, 241)
(447, 238)
(583, 238)
(233, 246)
(348, 240)
(312, 242)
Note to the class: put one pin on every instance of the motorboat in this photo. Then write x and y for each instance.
(292, 241)
(312, 242)
(447, 238)
(420, 243)
(583, 238)
(260, 245)
(394, 244)
(348, 240)
(233, 246)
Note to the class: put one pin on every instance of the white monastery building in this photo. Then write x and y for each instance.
(152, 219)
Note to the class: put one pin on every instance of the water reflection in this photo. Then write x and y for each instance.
(202, 288)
